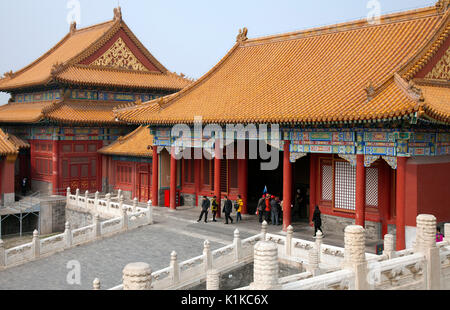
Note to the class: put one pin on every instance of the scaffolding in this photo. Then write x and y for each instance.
(30, 205)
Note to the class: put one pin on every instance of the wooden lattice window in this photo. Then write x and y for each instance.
(326, 177)
(338, 184)
(372, 177)
(344, 185)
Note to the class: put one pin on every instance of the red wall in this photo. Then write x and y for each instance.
(7, 176)
(411, 194)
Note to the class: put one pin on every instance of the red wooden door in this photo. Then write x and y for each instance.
(81, 174)
(144, 189)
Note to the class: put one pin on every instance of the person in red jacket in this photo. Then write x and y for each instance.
(267, 209)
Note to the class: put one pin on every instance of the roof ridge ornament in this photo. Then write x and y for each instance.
(10, 74)
(160, 102)
(73, 27)
(442, 5)
(415, 91)
(117, 13)
(57, 68)
(242, 36)
(370, 90)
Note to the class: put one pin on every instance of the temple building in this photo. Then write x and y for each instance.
(363, 110)
(62, 104)
(13, 152)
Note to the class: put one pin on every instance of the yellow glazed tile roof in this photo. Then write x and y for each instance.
(39, 72)
(137, 143)
(101, 76)
(61, 111)
(23, 112)
(82, 112)
(312, 76)
(62, 62)
(18, 142)
(7, 147)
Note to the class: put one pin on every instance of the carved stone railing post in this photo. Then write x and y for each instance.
(77, 196)
(124, 217)
(97, 226)
(68, 236)
(355, 255)
(96, 201)
(137, 276)
(36, 244)
(68, 195)
(149, 212)
(288, 244)
(207, 255)
(86, 195)
(212, 280)
(266, 268)
(135, 203)
(426, 244)
(313, 261)
(319, 241)
(96, 284)
(263, 230)
(174, 268)
(447, 233)
(2, 254)
(108, 201)
(119, 194)
(237, 242)
(389, 246)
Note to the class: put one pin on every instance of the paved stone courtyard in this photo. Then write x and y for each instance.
(105, 259)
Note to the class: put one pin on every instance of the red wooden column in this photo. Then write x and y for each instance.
(243, 182)
(7, 176)
(173, 179)
(312, 185)
(155, 175)
(400, 203)
(55, 167)
(360, 201)
(287, 186)
(217, 191)
(385, 200)
(197, 179)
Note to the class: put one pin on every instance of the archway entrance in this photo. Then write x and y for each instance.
(301, 186)
(258, 179)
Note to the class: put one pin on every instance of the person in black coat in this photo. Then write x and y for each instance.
(274, 209)
(261, 206)
(317, 220)
(227, 209)
(205, 208)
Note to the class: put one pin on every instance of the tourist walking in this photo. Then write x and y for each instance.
(260, 208)
(240, 204)
(439, 235)
(205, 207)
(267, 209)
(24, 186)
(317, 221)
(214, 207)
(227, 209)
(298, 202)
(274, 209)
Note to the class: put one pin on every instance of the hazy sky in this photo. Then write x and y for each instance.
(188, 36)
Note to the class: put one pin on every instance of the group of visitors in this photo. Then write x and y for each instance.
(269, 208)
(227, 209)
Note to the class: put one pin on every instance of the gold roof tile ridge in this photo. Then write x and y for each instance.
(358, 24)
(429, 49)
